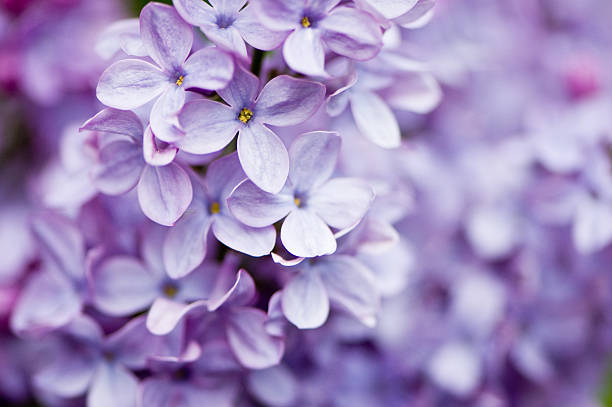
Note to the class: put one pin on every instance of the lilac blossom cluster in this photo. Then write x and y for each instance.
(272, 204)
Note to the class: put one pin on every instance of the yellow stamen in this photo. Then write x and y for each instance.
(305, 22)
(297, 202)
(215, 208)
(245, 115)
(170, 290)
(179, 81)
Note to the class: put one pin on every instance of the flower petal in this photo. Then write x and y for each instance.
(279, 15)
(209, 126)
(255, 207)
(195, 12)
(208, 68)
(275, 386)
(313, 157)
(228, 38)
(263, 157)
(119, 167)
(222, 176)
(304, 300)
(242, 90)
(112, 385)
(122, 286)
(375, 119)
(166, 314)
(163, 117)
(391, 8)
(130, 83)
(132, 344)
(304, 234)
(255, 33)
(252, 345)
(286, 101)
(116, 122)
(154, 155)
(164, 193)
(255, 242)
(342, 202)
(304, 52)
(240, 293)
(167, 38)
(352, 33)
(418, 92)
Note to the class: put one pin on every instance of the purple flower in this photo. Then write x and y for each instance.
(131, 83)
(229, 24)
(284, 101)
(131, 158)
(310, 201)
(185, 245)
(408, 13)
(314, 25)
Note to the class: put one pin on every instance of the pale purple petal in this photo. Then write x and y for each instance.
(275, 386)
(255, 33)
(228, 38)
(255, 207)
(223, 175)
(352, 33)
(118, 168)
(242, 90)
(209, 68)
(112, 385)
(122, 286)
(240, 293)
(164, 193)
(252, 345)
(286, 101)
(419, 93)
(249, 240)
(163, 118)
(350, 286)
(304, 234)
(195, 12)
(305, 302)
(342, 202)
(418, 16)
(113, 38)
(154, 155)
(375, 119)
(313, 158)
(166, 314)
(165, 393)
(130, 83)
(263, 157)
(209, 126)
(132, 344)
(304, 52)
(165, 35)
(391, 8)
(280, 15)
(592, 228)
(185, 246)
(116, 122)
(227, 6)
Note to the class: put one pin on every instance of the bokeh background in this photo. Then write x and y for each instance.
(508, 255)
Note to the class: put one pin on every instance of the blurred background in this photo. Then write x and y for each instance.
(508, 253)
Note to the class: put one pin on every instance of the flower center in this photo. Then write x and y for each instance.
(297, 202)
(215, 208)
(170, 290)
(179, 81)
(245, 115)
(305, 22)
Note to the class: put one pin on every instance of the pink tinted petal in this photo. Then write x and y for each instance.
(109, 42)
(255, 207)
(165, 35)
(154, 155)
(122, 286)
(342, 202)
(112, 385)
(209, 68)
(286, 101)
(195, 12)
(419, 93)
(304, 300)
(391, 8)
(166, 314)
(164, 193)
(116, 122)
(252, 241)
(279, 15)
(228, 38)
(209, 126)
(352, 33)
(185, 244)
(130, 83)
(375, 119)
(239, 294)
(418, 16)
(242, 90)
(252, 345)
(304, 53)
(47, 301)
(255, 33)
(351, 286)
(304, 234)
(313, 158)
(119, 167)
(223, 175)
(263, 157)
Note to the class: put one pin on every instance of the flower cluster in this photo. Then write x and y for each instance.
(237, 203)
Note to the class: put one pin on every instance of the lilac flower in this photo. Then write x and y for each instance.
(408, 14)
(131, 83)
(310, 201)
(229, 24)
(185, 245)
(132, 158)
(284, 101)
(314, 25)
